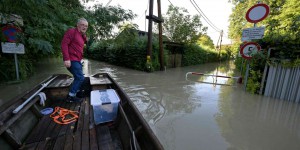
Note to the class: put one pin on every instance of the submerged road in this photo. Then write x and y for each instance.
(186, 113)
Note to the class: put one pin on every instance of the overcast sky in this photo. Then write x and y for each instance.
(217, 11)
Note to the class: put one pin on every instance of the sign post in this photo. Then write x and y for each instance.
(257, 13)
(254, 15)
(10, 33)
(248, 49)
(14, 49)
(253, 33)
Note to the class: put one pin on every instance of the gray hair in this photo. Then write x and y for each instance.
(81, 19)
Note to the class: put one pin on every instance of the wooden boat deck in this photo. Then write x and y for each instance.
(29, 129)
(81, 134)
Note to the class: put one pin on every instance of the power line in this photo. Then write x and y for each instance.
(204, 16)
(108, 3)
(171, 3)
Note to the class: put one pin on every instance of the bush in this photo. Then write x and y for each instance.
(8, 68)
(195, 54)
(128, 54)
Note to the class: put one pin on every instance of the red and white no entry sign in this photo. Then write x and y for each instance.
(248, 49)
(257, 13)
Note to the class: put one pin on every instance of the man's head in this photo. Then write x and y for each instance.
(82, 25)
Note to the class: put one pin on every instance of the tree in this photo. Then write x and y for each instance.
(282, 31)
(181, 27)
(103, 20)
(285, 26)
(205, 40)
(44, 22)
(282, 26)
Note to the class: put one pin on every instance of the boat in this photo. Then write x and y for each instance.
(28, 123)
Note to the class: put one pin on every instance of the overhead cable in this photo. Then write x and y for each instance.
(204, 16)
(171, 3)
(108, 3)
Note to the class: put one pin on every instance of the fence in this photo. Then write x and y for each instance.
(283, 83)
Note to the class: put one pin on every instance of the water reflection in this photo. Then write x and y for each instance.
(220, 76)
(44, 69)
(256, 122)
(187, 114)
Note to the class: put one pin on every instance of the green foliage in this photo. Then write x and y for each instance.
(127, 34)
(8, 68)
(181, 27)
(282, 24)
(104, 19)
(130, 53)
(205, 40)
(46, 21)
(282, 32)
(255, 71)
(128, 50)
(284, 62)
(195, 54)
(253, 84)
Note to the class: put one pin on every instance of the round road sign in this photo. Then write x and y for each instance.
(248, 49)
(257, 13)
(10, 33)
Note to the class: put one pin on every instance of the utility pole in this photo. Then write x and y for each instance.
(158, 20)
(161, 50)
(150, 18)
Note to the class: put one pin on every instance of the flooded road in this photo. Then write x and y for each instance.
(186, 113)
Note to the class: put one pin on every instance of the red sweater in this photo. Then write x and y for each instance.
(72, 45)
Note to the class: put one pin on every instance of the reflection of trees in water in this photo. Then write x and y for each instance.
(213, 77)
(256, 122)
(154, 105)
(167, 131)
(168, 93)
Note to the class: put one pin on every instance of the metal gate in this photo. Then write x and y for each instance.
(283, 83)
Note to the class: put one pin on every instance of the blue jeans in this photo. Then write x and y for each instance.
(76, 70)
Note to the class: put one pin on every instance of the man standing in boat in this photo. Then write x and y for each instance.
(72, 50)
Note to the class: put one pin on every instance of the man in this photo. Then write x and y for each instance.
(72, 49)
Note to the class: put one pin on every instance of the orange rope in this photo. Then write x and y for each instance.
(60, 115)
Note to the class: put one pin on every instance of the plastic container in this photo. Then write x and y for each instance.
(46, 111)
(105, 105)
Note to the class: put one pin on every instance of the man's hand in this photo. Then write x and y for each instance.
(67, 63)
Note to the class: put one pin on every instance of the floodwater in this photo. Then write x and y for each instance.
(187, 114)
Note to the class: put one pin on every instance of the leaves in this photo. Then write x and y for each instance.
(181, 27)
(104, 19)
(282, 24)
(205, 40)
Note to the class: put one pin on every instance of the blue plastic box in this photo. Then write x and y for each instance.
(105, 105)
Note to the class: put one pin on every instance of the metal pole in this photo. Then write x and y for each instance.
(149, 46)
(246, 75)
(17, 67)
(161, 50)
(247, 69)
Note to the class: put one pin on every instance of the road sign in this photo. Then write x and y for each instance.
(257, 13)
(253, 33)
(12, 48)
(10, 33)
(248, 49)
